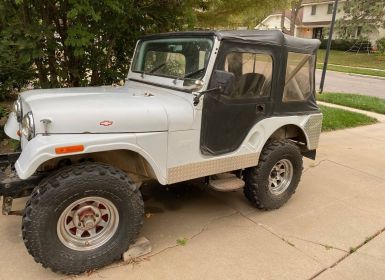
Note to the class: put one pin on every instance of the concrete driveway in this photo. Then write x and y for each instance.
(332, 228)
(350, 83)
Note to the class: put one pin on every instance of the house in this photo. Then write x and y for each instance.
(274, 20)
(314, 20)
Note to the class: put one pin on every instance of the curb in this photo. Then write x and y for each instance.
(355, 74)
(380, 118)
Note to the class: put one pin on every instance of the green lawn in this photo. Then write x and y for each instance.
(344, 61)
(352, 59)
(360, 71)
(362, 102)
(335, 118)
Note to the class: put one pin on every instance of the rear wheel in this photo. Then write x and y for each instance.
(82, 218)
(271, 184)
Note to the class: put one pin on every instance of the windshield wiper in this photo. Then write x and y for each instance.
(188, 75)
(156, 68)
(193, 73)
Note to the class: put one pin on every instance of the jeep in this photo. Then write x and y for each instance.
(235, 108)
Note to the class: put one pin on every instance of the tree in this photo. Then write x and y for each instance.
(361, 18)
(235, 13)
(78, 42)
(59, 43)
(295, 6)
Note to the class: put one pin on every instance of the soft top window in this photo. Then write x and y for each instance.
(299, 79)
(252, 72)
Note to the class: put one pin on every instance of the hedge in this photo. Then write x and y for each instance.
(346, 45)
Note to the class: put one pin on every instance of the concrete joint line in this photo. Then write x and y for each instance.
(352, 251)
(313, 166)
(203, 229)
(282, 238)
(326, 246)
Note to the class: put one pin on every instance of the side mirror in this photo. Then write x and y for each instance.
(221, 81)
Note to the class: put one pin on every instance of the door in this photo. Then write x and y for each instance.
(226, 120)
(317, 33)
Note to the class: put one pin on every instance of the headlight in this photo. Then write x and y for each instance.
(28, 126)
(18, 110)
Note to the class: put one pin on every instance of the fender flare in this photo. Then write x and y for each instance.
(310, 125)
(42, 148)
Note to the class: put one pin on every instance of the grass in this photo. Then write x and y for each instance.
(335, 118)
(352, 59)
(345, 61)
(360, 71)
(367, 103)
(181, 241)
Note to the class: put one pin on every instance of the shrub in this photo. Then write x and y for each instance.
(345, 45)
(381, 45)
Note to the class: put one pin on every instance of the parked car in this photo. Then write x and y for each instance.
(235, 107)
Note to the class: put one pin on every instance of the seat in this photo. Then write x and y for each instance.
(249, 85)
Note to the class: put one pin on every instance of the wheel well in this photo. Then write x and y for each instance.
(126, 160)
(291, 132)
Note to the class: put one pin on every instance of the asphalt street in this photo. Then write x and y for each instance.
(350, 83)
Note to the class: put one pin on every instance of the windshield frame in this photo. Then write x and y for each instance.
(174, 82)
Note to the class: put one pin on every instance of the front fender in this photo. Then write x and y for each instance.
(42, 148)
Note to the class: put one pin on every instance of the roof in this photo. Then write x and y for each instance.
(316, 23)
(263, 37)
(314, 2)
(288, 13)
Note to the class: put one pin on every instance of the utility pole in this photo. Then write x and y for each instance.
(321, 86)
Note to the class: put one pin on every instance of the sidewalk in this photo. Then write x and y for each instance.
(319, 234)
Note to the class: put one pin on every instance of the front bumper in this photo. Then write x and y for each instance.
(11, 186)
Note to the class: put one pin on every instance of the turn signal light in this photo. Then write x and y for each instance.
(69, 149)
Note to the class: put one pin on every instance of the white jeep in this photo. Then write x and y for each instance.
(235, 107)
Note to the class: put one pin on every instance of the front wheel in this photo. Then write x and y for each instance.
(82, 218)
(271, 184)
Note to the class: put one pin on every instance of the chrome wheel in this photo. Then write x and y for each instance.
(280, 176)
(88, 223)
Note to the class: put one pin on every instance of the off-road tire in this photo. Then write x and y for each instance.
(256, 178)
(56, 192)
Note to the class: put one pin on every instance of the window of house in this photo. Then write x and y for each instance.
(359, 31)
(330, 9)
(313, 10)
(299, 80)
(253, 72)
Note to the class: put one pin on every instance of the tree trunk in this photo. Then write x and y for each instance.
(283, 17)
(42, 73)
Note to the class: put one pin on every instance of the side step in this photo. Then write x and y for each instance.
(226, 182)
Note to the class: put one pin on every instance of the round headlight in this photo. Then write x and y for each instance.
(18, 110)
(28, 126)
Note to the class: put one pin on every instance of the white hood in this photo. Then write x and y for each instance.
(132, 108)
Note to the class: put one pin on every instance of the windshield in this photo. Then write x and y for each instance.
(178, 58)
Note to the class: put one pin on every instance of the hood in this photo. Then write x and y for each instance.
(132, 108)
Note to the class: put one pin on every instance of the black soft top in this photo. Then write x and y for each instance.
(263, 37)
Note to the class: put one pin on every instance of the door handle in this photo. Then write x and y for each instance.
(260, 108)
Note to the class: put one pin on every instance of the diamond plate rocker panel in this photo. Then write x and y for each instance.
(210, 167)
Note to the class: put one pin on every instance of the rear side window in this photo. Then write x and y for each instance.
(299, 77)
(252, 72)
